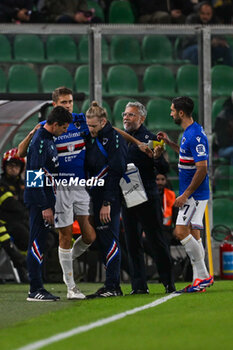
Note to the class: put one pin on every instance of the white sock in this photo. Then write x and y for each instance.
(203, 255)
(79, 247)
(65, 259)
(195, 253)
(202, 248)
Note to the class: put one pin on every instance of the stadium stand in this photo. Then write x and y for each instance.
(158, 111)
(222, 80)
(122, 80)
(156, 49)
(187, 80)
(22, 78)
(125, 49)
(121, 12)
(222, 212)
(217, 107)
(3, 81)
(98, 9)
(158, 80)
(83, 50)
(53, 76)
(61, 48)
(5, 52)
(28, 48)
(81, 80)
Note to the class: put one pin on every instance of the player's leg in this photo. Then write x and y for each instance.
(64, 222)
(82, 207)
(196, 226)
(184, 234)
(86, 223)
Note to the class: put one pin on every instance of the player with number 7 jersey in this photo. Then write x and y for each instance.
(193, 188)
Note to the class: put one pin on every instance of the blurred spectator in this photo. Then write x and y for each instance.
(14, 230)
(18, 11)
(172, 11)
(224, 130)
(167, 197)
(12, 209)
(72, 11)
(221, 52)
(224, 10)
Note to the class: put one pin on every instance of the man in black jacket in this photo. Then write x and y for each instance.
(149, 213)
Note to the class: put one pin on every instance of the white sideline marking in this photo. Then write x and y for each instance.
(81, 329)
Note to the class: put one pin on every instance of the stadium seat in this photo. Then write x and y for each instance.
(81, 80)
(125, 49)
(98, 9)
(122, 80)
(187, 80)
(156, 49)
(121, 12)
(158, 115)
(83, 50)
(158, 80)
(53, 76)
(223, 180)
(5, 52)
(173, 177)
(222, 212)
(61, 48)
(217, 107)
(3, 81)
(222, 80)
(29, 124)
(118, 108)
(19, 137)
(28, 48)
(86, 105)
(22, 78)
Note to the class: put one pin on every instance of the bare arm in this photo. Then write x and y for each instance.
(23, 146)
(163, 136)
(142, 146)
(197, 179)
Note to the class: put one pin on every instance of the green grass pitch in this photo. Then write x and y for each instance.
(190, 321)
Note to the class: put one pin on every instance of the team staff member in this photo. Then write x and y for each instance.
(106, 158)
(194, 188)
(149, 213)
(42, 158)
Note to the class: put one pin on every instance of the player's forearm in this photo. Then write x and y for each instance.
(198, 178)
(23, 146)
(174, 146)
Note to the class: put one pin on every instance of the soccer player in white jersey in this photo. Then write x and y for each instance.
(193, 189)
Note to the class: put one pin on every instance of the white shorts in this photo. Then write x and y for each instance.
(192, 213)
(70, 202)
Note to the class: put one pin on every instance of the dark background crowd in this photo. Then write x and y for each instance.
(82, 11)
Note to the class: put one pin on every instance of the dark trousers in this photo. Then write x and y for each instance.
(108, 239)
(36, 248)
(149, 215)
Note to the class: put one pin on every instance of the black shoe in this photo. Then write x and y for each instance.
(139, 291)
(170, 288)
(105, 292)
(42, 295)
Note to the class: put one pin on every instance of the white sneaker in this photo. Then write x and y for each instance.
(75, 293)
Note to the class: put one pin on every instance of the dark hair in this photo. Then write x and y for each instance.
(183, 103)
(59, 115)
(60, 91)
